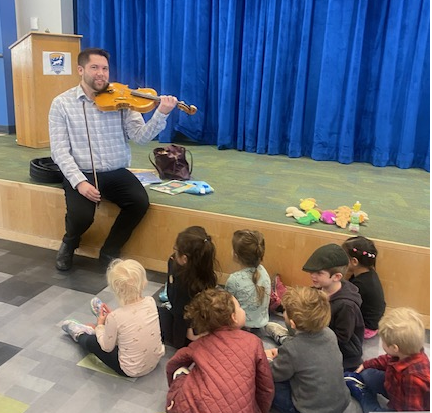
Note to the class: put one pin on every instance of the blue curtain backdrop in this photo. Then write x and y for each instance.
(340, 80)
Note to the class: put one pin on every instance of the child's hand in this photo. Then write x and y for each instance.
(360, 368)
(271, 353)
(105, 309)
(102, 318)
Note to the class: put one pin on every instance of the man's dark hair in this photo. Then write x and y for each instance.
(84, 55)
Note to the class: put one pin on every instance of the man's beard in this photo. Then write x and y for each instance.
(93, 84)
(97, 87)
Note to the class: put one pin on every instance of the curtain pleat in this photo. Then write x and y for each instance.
(346, 81)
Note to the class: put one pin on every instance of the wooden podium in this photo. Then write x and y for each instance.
(43, 66)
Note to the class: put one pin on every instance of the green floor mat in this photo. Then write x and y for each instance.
(91, 362)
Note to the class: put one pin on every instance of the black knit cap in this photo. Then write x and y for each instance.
(326, 257)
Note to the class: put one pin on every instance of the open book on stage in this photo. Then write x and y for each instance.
(172, 187)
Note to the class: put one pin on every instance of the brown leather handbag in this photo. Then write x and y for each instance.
(171, 163)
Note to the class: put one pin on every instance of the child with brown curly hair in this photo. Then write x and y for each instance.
(225, 370)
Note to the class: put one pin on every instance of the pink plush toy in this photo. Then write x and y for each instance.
(328, 217)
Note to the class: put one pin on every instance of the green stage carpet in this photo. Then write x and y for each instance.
(262, 187)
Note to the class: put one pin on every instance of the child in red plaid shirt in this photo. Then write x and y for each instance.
(403, 374)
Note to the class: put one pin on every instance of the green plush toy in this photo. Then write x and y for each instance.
(312, 216)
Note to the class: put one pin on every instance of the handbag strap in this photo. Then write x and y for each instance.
(191, 160)
(154, 164)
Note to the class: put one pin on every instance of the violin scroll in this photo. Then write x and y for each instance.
(189, 109)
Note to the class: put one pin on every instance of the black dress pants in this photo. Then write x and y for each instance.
(120, 187)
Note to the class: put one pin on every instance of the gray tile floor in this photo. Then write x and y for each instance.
(38, 361)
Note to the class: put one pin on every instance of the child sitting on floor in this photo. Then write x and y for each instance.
(230, 372)
(191, 269)
(251, 284)
(403, 374)
(362, 255)
(307, 367)
(327, 266)
(127, 339)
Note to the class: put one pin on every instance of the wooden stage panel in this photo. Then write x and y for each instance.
(34, 214)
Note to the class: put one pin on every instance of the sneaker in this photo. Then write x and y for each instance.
(75, 329)
(370, 333)
(95, 305)
(355, 383)
(277, 332)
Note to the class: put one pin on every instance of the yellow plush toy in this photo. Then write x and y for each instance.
(307, 204)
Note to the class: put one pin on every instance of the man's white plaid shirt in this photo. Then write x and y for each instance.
(108, 135)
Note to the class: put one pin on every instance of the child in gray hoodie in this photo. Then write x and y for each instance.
(307, 367)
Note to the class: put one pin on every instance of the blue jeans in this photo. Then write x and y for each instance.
(282, 400)
(374, 381)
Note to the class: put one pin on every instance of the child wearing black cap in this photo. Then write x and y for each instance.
(327, 267)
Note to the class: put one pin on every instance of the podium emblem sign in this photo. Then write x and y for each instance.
(57, 63)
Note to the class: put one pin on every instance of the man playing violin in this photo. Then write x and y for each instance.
(91, 149)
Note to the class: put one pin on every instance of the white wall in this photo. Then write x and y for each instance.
(54, 15)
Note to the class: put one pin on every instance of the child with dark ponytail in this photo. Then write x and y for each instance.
(191, 269)
(362, 255)
(251, 284)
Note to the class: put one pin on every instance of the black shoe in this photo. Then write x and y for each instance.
(105, 259)
(64, 257)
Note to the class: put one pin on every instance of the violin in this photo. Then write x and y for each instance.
(118, 96)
